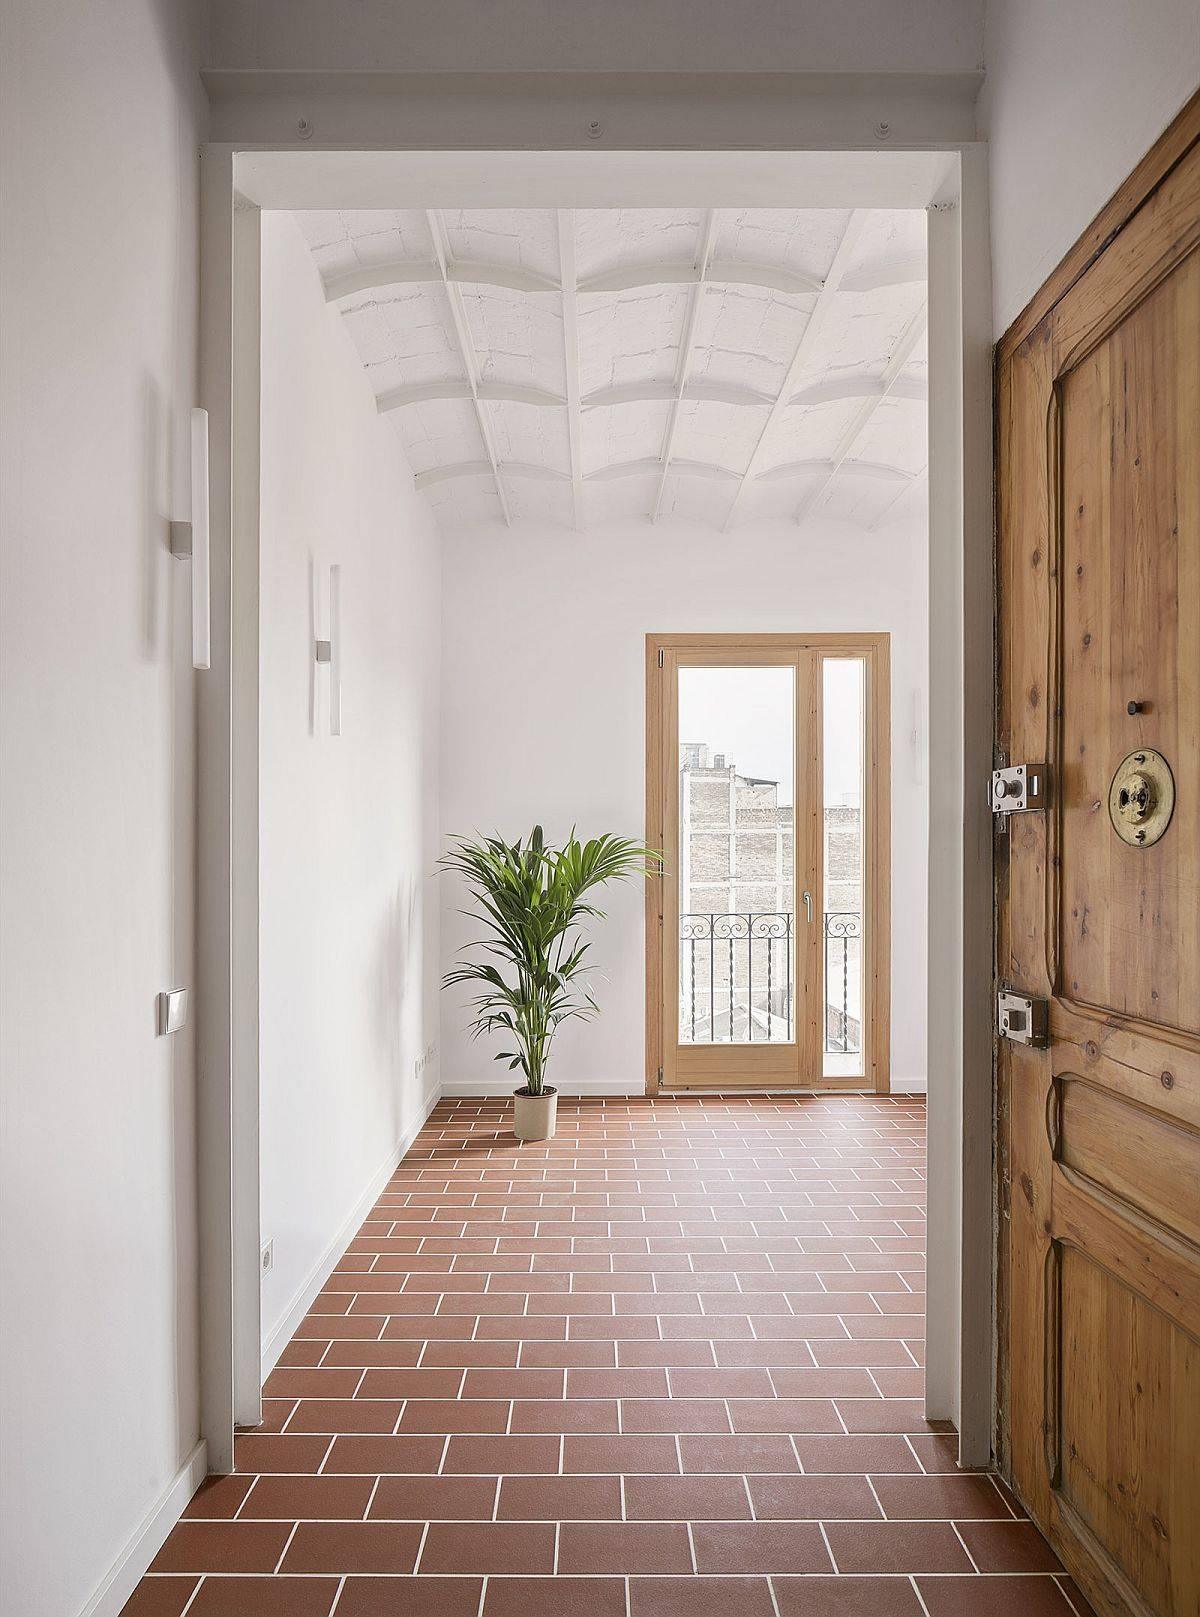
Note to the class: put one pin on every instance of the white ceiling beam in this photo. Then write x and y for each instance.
(466, 348)
(889, 510)
(652, 464)
(415, 272)
(845, 387)
(898, 272)
(827, 468)
(862, 387)
(802, 354)
(485, 468)
(570, 320)
(908, 339)
(726, 272)
(687, 341)
(494, 392)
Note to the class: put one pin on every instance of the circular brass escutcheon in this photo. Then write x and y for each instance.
(1141, 798)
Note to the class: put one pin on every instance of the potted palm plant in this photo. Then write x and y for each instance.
(532, 900)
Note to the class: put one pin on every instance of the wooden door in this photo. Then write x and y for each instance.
(767, 938)
(1098, 585)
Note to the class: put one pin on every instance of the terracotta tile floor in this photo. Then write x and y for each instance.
(669, 1363)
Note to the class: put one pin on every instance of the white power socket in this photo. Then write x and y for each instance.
(266, 1260)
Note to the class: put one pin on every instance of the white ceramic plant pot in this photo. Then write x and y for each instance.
(534, 1115)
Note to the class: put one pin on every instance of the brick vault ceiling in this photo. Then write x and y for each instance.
(584, 365)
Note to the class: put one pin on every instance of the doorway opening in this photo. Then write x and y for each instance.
(767, 794)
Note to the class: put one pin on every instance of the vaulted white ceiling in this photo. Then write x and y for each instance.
(583, 365)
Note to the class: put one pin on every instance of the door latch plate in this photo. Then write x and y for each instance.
(1021, 1019)
(1019, 789)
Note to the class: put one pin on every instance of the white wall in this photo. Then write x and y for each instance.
(349, 918)
(102, 112)
(543, 718)
(922, 36)
(1076, 92)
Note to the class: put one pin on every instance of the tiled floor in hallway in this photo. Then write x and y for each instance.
(668, 1365)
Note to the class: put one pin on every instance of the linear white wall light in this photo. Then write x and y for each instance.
(189, 542)
(330, 650)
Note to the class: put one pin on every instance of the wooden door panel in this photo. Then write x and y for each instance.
(1098, 599)
(1128, 1451)
(1130, 941)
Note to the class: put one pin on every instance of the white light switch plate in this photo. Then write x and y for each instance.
(172, 1010)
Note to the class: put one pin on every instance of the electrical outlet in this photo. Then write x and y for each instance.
(266, 1260)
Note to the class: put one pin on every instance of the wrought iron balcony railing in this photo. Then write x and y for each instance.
(736, 978)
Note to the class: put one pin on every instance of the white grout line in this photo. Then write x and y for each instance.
(286, 1546)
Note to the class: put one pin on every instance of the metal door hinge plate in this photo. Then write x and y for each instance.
(1021, 1019)
(1018, 789)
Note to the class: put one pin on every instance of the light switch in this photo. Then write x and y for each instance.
(172, 1010)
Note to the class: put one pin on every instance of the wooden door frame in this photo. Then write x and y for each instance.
(875, 650)
(1154, 170)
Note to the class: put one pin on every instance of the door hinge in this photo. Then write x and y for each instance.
(661, 655)
(1021, 1019)
(1020, 789)
(660, 1077)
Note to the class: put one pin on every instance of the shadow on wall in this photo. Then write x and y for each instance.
(397, 992)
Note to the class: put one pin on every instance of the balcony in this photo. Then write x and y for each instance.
(736, 979)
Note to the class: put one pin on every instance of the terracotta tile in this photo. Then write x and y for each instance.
(748, 1383)
(467, 1415)
(253, 1453)
(744, 1455)
(323, 1383)
(674, 1415)
(588, 1455)
(166, 1597)
(700, 1597)
(793, 1415)
(565, 1415)
(961, 1498)
(526, 1383)
(219, 1497)
(465, 1355)
(551, 1597)
(847, 1597)
(489, 1547)
(686, 1499)
(222, 1547)
(936, 1453)
(287, 1499)
(626, 1383)
(360, 1355)
(861, 1454)
(896, 1547)
(299, 1354)
(410, 1597)
(623, 1548)
(817, 1498)
(992, 1597)
(883, 1414)
(346, 1415)
(424, 1383)
(568, 1355)
(423, 1498)
(799, 1381)
(998, 1546)
(561, 1499)
(367, 1455)
(491, 1456)
(353, 1547)
(760, 1547)
(264, 1597)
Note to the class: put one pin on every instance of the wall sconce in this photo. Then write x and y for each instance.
(329, 651)
(189, 542)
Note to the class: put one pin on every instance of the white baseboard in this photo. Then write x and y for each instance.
(282, 1332)
(482, 1088)
(126, 1571)
(908, 1086)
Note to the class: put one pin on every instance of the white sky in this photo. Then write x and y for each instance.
(746, 713)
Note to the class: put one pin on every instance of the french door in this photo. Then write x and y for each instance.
(767, 946)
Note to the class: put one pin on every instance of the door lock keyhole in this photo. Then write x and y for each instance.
(1136, 799)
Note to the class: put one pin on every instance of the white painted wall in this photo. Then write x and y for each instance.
(1076, 93)
(543, 718)
(349, 919)
(922, 36)
(101, 115)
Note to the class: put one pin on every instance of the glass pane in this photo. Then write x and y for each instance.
(736, 845)
(844, 681)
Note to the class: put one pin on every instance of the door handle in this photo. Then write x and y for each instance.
(808, 907)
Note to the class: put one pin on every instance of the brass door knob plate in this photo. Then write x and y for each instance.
(1141, 798)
